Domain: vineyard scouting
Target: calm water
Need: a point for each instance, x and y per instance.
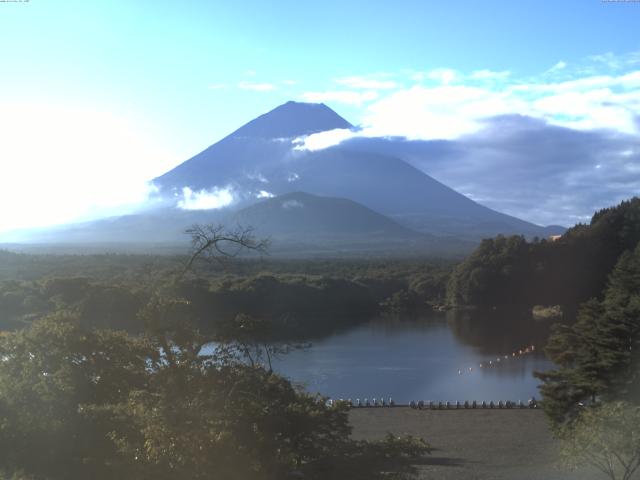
(421, 359)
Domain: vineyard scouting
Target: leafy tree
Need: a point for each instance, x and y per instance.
(607, 438)
(78, 403)
(50, 375)
(492, 274)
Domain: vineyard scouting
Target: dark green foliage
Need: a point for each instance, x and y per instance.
(491, 275)
(567, 271)
(78, 403)
(49, 375)
(96, 304)
(331, 295)
(598, 356)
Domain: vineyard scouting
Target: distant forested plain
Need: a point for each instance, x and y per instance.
(315, 296)
(319, 296)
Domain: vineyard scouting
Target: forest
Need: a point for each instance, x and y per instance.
(314, 297)
(566, 271)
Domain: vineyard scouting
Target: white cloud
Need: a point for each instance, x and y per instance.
(216, 86)
(206, 199)
(256, 87)
(264, 194)
(489, 75)
(366, 83)
(459, 104)
(558, 66)
(321, 140)
(343, 96)
(441, 112)
(444, 76)
(257, 177)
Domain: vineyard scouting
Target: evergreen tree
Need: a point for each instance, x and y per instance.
(568, 271)
(597, 357)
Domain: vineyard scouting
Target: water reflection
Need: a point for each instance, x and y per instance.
(497, 331)
(422, 358)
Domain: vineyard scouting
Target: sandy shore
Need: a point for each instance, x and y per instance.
(474, 444)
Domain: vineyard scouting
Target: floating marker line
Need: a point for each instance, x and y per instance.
(500, 359)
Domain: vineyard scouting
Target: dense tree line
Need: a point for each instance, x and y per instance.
(78, 403)
(567, 271)
(294, 303)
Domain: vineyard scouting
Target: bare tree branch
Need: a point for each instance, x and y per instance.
(219, 244)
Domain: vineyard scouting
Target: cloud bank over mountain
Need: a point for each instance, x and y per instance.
(526, 167)
(599, 92)
(550, 148)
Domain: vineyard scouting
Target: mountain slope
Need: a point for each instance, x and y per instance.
(256, 158)
(242, 157)
(394, 188)
(293, 119)
(300, 213)
(299, 223)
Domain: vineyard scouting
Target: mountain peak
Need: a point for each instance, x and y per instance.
(293, 119)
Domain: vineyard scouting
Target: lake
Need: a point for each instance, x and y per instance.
(435, 358)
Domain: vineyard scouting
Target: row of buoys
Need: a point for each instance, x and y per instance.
(500, 359)
(374, 402)
(421, 405)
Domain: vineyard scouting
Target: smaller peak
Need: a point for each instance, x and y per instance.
(293, 119)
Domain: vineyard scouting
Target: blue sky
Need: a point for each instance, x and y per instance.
(91, 90)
